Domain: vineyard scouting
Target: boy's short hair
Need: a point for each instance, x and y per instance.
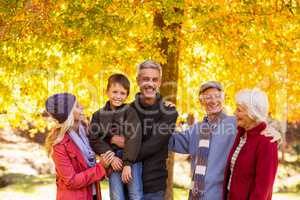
(120, 79)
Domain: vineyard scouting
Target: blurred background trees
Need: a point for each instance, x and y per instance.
(55, 46)
(51, 46)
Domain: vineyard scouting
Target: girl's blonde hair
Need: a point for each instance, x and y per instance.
(58, 132)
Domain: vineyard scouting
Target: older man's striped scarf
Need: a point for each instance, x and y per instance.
(197, 186)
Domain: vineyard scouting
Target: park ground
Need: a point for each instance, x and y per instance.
(26, 173)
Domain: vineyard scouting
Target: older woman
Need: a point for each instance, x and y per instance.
(253, 159)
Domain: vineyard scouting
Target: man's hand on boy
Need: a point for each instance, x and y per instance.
(117, 164)
(118, 140)
(126, 174)
(169, 104)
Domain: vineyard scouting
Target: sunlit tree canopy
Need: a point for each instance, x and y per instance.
(54, 46)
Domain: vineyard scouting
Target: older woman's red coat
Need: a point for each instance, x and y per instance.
(73, 176)
(255, 168)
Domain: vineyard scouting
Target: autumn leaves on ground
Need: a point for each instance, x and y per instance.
(55, 46)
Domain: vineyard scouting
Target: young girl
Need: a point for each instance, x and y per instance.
(77, 173)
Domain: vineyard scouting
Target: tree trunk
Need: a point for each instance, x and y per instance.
(170, 50)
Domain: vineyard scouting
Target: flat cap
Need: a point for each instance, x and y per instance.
(210, 84)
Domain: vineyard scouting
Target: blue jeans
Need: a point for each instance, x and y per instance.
(160, 195)
(135, 187)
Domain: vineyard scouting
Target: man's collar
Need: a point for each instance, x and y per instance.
(220, 116)
(107, 106)
(138, 97)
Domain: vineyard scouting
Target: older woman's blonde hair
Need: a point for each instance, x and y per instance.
(256, 102)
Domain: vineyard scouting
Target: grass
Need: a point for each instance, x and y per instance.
(26, 183)
(180, 194)
(27, 187)
(43, 187)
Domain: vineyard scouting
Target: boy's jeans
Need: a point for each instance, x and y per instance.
(155, 196)
(134, 188)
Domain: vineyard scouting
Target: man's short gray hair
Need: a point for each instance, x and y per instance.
(149, 64)
(256, 102)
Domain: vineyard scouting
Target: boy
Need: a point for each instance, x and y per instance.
(118, 118)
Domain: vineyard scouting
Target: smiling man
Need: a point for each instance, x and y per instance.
(209, 143)
(158, 122)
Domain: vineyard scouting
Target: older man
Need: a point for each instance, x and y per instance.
(208, 142)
